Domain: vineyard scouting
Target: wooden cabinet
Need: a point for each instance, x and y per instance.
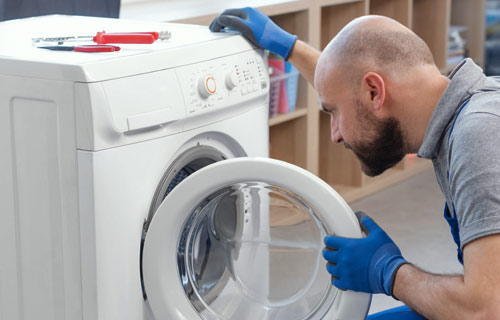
(302, 137)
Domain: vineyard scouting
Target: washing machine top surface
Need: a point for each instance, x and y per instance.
(187, 44)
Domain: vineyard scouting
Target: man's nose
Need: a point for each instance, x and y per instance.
(336, 136)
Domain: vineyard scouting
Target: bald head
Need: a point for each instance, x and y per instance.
(374, 43)
(378, 82)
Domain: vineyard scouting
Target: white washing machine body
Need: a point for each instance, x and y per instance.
(114, 199)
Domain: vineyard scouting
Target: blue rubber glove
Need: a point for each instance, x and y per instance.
(368, 264)
(256, 27)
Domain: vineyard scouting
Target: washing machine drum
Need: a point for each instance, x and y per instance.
(242, 239)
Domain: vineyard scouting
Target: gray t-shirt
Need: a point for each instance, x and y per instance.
(467, 162)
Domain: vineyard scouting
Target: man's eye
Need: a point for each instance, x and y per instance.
(325, 110)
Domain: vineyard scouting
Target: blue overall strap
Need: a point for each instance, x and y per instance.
(399, 313)
(454, 228)
(451, 217)
(456, 117)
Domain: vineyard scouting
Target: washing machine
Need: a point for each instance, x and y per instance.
(136, 185)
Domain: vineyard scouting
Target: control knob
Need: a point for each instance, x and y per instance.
(231, 80)
(207, 86)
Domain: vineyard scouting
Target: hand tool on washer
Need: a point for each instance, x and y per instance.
(84, 48)
(112, 37)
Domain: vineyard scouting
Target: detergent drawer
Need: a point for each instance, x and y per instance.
(128, 110)
(145, 100)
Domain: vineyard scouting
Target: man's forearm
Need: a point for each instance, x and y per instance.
(439, 296)
(304, 58)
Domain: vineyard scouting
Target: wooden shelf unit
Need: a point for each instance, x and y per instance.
(301, 112)
(303, 136)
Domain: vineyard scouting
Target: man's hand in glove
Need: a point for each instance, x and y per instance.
(369, 264)
(256, 27)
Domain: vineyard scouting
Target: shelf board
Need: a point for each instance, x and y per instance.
(351, 194)
(345, 191)
(301, 112)
(326, 3)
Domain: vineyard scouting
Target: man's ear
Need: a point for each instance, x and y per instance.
(373, 90)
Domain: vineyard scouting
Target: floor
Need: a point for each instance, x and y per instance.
(411, 213)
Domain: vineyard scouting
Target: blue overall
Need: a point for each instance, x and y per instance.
(452, 219)
(404, 312)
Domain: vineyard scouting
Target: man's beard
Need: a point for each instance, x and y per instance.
(386, 148)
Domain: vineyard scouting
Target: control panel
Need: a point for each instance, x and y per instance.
(223, 82)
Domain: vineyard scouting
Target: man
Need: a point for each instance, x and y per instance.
(386, 98)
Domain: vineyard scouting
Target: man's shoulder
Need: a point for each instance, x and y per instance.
(482, 109)
(486, 99)
(478, 125)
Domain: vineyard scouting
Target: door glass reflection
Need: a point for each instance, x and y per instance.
(253, 251)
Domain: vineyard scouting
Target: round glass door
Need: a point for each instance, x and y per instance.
(253, 251)
(242, 239)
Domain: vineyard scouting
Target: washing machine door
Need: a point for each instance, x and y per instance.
(242, 239)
